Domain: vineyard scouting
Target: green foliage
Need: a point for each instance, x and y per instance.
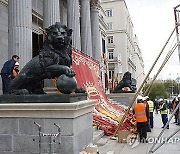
(163, 89)
(158, 89)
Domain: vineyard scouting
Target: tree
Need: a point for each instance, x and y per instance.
(157, 90)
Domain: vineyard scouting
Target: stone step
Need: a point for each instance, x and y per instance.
(95, 128)
(97, 135)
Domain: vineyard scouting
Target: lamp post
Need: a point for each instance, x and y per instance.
(171, 85)
(178, 83)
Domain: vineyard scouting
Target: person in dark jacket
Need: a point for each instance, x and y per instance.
(7, 73)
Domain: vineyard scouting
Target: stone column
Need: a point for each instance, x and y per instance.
(51, 12)
(73, 22)
(20, 29)
(96, 40)
(86, 40)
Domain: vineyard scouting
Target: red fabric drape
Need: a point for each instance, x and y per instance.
(106, 114)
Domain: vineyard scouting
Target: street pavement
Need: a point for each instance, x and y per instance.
(172, 146)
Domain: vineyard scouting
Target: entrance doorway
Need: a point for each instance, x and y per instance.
(37, 43)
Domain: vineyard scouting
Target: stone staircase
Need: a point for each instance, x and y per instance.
(97, 134)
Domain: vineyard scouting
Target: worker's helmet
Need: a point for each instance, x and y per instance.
(147, 97)
(160, 100)
(139, 97)
(16, 64)
(178, 96)
(143, 98)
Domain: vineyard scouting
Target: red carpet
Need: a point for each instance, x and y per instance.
(106, 114)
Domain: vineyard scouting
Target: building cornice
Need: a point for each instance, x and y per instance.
(95, 4)
(110, 1)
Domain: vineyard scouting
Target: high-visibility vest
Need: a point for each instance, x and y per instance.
(163, 111)
(15, 73)
(140, 112)
(151, 106)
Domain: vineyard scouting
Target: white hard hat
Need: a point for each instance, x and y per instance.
(139, 97)
(178, 96)
(143, 98)
(17, 64)
(147, 97)
(160, 100)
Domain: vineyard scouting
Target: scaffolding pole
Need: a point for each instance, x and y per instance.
(177, 24)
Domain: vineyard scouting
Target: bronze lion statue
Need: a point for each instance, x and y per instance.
(127, 84)
(53, 61)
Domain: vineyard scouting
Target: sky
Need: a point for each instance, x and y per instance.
(153, 22)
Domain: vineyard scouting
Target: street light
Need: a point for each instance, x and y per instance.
(171, 85)
(178, 83)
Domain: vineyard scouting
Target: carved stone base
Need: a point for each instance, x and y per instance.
(19, 133)
(46, 98)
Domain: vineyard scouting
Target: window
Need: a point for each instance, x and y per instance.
(111, 54)
(110, 39)
(109, 25)
(111, 74)
(109, 13)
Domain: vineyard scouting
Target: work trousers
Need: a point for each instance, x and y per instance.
(142, 130)
(151, 120)
(164, 119)
(5, 83)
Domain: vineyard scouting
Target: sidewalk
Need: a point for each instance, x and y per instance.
(108, 146)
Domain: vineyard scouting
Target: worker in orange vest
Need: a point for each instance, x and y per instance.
(142, 115)
(15, 70)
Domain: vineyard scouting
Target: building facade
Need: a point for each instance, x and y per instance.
(101, 28)
(23, 22)
(124, 53)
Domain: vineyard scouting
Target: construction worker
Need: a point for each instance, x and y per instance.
(147, 106)
(174, 104)
(178, 111)
(15, 70)
(6, 73)
(141, 114)
(156, 105)
(151, 110)
(164, 112)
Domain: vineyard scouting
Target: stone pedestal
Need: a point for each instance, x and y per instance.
(122, 98)
(20, 135)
